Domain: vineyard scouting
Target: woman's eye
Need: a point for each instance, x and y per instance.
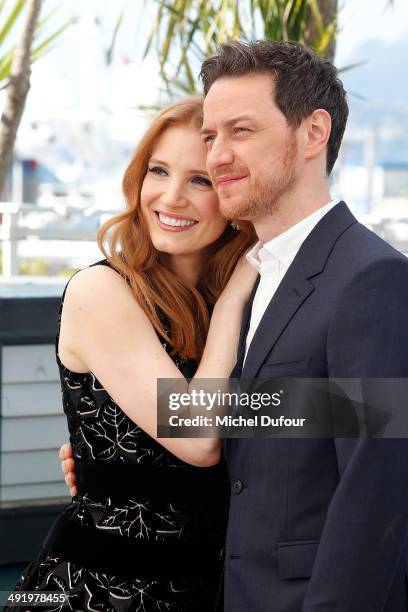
(158, 170)
(201, 180)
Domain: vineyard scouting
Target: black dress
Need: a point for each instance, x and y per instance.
(146, 531)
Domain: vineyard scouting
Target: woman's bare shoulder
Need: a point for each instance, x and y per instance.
(97, 278)
(99, 287)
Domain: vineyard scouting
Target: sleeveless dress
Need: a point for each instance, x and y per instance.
(146, 531)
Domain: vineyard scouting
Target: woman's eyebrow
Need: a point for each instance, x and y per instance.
(157, 161)
(205, 131)
(162, 163)
(203, 172)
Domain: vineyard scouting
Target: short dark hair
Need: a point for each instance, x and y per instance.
(303, 81)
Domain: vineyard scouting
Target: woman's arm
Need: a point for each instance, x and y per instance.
(116, 341)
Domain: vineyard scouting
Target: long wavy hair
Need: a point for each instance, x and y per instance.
(156, 287)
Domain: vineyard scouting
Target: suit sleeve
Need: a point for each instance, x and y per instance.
(367, 522)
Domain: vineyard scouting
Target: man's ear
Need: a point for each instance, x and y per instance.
(318, 129)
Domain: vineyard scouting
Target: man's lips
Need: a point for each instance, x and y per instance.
(224, 181)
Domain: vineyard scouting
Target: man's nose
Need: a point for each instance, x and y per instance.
(220, 154)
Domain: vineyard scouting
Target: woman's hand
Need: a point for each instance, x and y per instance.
(220, 353)
(240, 284)
(68, 468)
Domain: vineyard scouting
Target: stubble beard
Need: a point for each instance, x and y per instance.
(266, 193)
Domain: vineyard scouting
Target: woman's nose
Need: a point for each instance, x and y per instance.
(174, 197)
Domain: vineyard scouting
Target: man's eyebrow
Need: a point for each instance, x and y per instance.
(237, 119)
(228, 122)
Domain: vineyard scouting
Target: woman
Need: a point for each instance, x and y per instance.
(146, 530)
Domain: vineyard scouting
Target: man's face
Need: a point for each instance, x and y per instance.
(252, 156)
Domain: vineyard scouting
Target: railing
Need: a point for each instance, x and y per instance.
(12, 230)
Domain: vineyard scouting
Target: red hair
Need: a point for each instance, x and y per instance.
(148, 271)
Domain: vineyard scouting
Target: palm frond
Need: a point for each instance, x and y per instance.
(11, 20)
(187, 30)
(39, 48)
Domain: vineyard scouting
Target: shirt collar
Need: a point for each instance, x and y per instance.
(284, 247)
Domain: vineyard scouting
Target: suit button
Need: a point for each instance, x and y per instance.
(237, 486)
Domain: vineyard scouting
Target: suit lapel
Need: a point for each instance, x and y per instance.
(291, 293)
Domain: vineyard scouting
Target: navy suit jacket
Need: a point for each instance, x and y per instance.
(321, 525)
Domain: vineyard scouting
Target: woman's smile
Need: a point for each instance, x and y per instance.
(177, 197)
(170, 222)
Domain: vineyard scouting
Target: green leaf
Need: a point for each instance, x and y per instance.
(322, 44)
(11, 20)
(167, 41)
(5, 65)
(352, 66)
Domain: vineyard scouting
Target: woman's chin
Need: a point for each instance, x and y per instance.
(170, 247)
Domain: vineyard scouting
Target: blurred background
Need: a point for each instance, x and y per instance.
(79, 83)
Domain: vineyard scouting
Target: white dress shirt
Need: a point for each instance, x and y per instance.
(272, 261)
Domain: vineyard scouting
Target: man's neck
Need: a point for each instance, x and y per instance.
(288, 212)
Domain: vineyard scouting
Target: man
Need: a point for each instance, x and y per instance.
(316, 525)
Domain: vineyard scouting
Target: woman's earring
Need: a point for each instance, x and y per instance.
(235, 225)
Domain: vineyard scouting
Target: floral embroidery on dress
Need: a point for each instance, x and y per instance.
(98, 591)
(135, 519)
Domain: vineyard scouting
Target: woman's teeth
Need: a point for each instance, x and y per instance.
(175, 222)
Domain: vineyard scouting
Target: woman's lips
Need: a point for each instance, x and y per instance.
(173, 228)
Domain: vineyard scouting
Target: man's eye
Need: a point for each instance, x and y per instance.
(158, 170)
(209, 139)
(240, 129)
(201, 180)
